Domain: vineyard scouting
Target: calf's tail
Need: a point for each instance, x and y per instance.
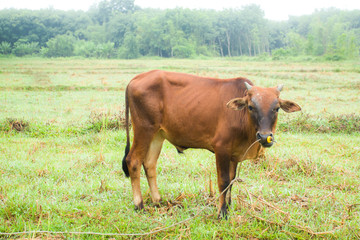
(127, 148)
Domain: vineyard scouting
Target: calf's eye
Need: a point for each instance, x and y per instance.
(250, 108)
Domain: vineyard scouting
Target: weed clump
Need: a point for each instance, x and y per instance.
(15, 124)
(106, 120)
(344, 123)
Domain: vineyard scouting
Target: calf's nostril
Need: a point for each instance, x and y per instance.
(258, 136)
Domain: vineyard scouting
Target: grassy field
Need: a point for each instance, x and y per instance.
(61, 147)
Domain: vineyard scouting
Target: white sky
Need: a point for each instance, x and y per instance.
(274, 9)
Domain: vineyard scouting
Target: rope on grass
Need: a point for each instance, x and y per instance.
(130, 234)
(237, 179)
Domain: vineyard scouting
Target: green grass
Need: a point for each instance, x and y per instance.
(61, 171)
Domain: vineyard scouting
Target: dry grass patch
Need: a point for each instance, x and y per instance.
(17, 124)
(106, 119)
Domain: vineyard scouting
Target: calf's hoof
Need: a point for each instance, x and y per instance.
(139, 207)
(223, 214)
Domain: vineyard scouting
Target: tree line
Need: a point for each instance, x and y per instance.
(119, 29)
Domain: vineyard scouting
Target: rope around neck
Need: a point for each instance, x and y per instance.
(243, 157)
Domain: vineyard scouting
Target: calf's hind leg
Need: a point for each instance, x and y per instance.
(134, 160)
(150, 166)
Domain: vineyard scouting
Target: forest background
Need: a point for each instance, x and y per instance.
(120, 29)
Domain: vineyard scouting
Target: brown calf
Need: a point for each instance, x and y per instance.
(197, 112)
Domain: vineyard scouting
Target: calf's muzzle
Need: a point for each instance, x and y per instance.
(265, 139)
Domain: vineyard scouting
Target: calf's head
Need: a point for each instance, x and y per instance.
(262, 106)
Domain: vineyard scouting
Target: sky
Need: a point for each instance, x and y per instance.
(273, 9)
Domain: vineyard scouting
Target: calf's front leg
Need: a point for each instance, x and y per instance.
(223, 177)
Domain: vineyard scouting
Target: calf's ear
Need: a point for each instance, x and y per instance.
(236, 103)
(289, 106)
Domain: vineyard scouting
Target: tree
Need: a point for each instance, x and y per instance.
(105, 50)
(22, 48)
(106, 9)
(117, 27)
(151, 32)
(84, 48)
(277, 34)
(5, 48)
(296, 43)
(183, 50)
(60, 46)
(122, 6)
(130, 49)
